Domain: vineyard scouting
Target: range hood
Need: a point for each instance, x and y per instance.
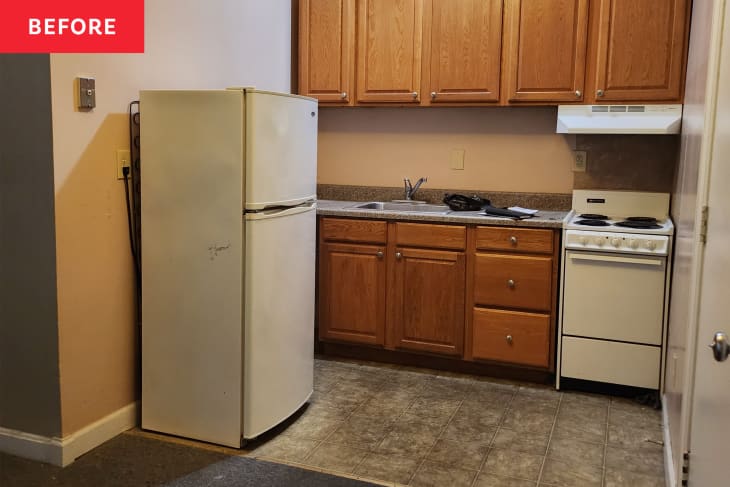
(619, 119)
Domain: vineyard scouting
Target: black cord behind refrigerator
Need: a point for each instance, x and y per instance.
(132, 196)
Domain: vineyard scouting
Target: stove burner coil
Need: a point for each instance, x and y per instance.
(593, 216)
(638, 224)
(593, 223)
(645, 219)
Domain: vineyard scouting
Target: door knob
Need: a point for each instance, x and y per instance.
(578, 93)
(509, 339)
(599, 92)
(379, 254)
(414, 94)
(720, 347)
(433, 94)
(511, 283)
(343, 95)
(398, 255)
(513, 240)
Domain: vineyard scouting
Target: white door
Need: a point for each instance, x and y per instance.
(281, 149)
(710, 417)
(278, 358)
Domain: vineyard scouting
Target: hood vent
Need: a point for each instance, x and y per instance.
(619, 119)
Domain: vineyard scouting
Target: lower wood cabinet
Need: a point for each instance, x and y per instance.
(475, 293)
(512, 336)
(426, 295)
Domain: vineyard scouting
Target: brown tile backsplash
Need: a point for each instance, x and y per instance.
(632, 162)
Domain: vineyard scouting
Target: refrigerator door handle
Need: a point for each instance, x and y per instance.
(279, 212)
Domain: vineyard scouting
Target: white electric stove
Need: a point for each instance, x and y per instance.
(615, 281)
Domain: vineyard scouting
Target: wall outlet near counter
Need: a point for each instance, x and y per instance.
(579, 161)
(456, 161)
(123, 160)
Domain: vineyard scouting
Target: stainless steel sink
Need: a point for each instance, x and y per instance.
(404, 207)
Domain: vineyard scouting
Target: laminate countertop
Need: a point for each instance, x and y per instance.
(542, 219)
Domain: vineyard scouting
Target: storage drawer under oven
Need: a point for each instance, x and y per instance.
(614, 297)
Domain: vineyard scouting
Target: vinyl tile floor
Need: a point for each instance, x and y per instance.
(403, 426)
(417, 427)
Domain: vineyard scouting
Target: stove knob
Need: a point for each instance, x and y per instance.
(634, 244)
(599, 241)
(615, 242)
(650, 245)
(583, 239)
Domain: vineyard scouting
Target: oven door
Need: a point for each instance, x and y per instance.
(614, 296)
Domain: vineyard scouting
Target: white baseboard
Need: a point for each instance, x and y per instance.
(670, 477)
(63, 451)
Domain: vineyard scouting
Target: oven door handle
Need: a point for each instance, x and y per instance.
(620, 260)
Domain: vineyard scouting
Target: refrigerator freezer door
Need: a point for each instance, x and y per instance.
(281, 149)
(279, 316)
(192, 253)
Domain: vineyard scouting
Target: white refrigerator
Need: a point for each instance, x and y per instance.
(228, 188)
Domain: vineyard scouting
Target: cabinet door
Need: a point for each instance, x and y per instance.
(462, 56)
(389, 50)
(327, 50)
(639, 50)
(545, 50)
(352, 293)
(427, 292)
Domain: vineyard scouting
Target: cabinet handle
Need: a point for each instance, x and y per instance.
(398, 255)
(508, 338)
(343, 95)
(414, 94)
(599, 92)
(511, 283)
(513, 240)
(379, 254)
(578, 93)
(433, 94)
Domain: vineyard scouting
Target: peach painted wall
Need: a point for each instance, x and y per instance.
(506, 149)
(189, 44)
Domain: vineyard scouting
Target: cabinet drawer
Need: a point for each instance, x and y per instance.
(515, 239)
(366, 231)
(433, 236)
(513, 281)
(511, 336)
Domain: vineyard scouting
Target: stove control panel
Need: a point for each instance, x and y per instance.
(630, 243)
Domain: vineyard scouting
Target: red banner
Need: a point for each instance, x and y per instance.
(54, 26)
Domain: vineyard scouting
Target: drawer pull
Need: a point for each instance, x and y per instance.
(513, 240)
(509, 339)
(511, 283)
(398, 255)
(379, 254)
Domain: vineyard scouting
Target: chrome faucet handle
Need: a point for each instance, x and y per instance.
(408, 188)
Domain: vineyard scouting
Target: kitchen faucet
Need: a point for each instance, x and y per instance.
(410, 190)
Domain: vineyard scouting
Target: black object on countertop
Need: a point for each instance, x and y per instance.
(460, 202)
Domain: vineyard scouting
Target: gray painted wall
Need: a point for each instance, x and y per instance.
(29, 374)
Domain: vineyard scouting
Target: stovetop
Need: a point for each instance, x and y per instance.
(628, 224)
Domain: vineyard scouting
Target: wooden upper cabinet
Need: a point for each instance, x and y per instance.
(638, 50)
(389, 44)
(545, 50)
(462, 52)
(326, 50)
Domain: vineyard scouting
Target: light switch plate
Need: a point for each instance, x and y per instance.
(579, 161)
(457, 159)
(87, 93)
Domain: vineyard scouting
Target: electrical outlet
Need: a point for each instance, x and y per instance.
(457, 159)
(123, 160)
(579, 161)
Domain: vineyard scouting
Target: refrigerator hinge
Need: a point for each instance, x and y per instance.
(685, 469)
(703, 224)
